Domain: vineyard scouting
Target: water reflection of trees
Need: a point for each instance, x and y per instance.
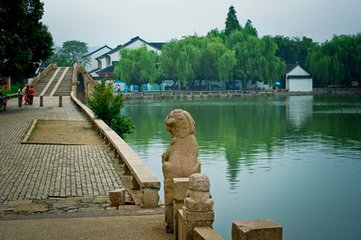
(240, 128)
(245, 127)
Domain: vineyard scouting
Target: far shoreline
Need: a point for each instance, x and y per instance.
(212, 94)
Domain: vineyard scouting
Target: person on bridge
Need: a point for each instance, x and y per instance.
(31, 95)
(26, 94)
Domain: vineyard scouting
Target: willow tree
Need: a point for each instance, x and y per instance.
(136, 66)
(272, 67)
(180, 60)
(337, 62)
(256, 59)
(217, 61)
(326, 68)
(187, 63)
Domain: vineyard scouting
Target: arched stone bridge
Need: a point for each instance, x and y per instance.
(60, 81)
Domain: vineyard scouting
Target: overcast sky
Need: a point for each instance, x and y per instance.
(115, 22)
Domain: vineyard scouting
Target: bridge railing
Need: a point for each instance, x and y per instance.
(142, 178)
(43, 73)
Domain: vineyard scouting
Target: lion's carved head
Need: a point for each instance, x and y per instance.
(180, 123)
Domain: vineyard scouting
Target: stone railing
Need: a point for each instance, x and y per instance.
(143, 178)
(43, 73)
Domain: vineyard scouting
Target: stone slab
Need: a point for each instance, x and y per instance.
(256, 230)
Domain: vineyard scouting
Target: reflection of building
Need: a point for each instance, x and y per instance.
(299, 109)
(298, 80)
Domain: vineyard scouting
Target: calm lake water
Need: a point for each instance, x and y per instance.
(296, 159)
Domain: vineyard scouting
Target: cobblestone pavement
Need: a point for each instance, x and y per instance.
(47, 172)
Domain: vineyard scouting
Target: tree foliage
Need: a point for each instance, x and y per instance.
(232, 23)
(293, 50)
(201, 58)
(337, 62)
(137, 66)
(256, 59)
(107, 106)
(249, 29)
(71, 52)
(24, 41)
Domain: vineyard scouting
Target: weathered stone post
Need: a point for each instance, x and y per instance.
(198, 207)
(60, 101)
(180, 188)
(181, 158)
(20, 99)
(117, 197)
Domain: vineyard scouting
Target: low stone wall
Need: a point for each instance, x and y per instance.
(195, 94)
(235, 93)
(143, 178)
(337, 91)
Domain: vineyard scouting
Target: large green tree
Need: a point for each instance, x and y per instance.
(232, 23)
(180, 59)
(71, 52)
(292, 50)
(271, 67)
(337, 62)
(256, 60)
(217, 61)
(197, 58)
(24, 40)
(137, 66)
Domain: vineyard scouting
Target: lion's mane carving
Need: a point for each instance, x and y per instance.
(181, 158)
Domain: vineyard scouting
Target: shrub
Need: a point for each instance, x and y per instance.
(107, 106)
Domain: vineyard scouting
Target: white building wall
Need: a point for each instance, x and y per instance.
(115, 56)
(93, 62)
(299, 85)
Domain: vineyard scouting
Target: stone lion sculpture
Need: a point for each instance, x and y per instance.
(181, 158)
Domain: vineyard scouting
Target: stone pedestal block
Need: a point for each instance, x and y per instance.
(180, 186)
(187, 221)
(205, 233)
(256, 230)
(117, 197)
(150, 198)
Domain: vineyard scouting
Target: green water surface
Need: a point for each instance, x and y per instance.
(295, 159)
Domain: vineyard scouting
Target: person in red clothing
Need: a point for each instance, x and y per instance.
(31, 95)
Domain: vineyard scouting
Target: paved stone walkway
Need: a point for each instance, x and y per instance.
(45, 172)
